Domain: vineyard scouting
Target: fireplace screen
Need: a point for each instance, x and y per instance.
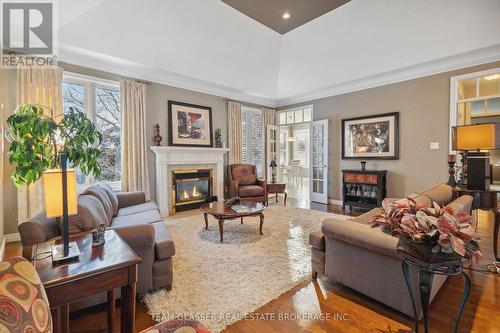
(191, 188)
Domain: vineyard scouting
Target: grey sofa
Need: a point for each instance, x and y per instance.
(364, 258)
(136, 220)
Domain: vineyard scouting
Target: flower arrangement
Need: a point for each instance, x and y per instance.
(449, 231)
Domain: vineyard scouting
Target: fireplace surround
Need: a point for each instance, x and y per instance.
(168, 159)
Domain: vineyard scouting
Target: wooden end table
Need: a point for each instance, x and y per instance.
(275, 188)
(99, 269)
(221, 213)
(484, 200)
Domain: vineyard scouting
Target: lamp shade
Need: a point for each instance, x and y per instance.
(476, 137)
(53, 193)
(272, 164)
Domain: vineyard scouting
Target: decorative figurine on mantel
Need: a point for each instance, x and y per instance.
(157, 136)
(218, 138)
(363, 165)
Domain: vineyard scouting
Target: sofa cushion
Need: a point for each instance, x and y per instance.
(420, 198)
(250, 191)
(317, 240)
(90, 215)
(247, 180)
(164, 244)
(150, 205)
(440, 193)
(99, 192)
(148, 216)
(111, 195)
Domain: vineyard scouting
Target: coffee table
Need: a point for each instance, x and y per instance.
(221, 213)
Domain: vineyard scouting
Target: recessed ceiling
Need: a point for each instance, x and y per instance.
(271, 13)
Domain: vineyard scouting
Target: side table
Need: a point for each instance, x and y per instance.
(99, 269)
(484, 200)
(275, 188)
(439, 263)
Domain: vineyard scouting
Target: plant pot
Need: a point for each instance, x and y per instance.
(422, 255)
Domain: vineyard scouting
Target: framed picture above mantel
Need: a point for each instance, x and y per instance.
(189, 125)
(371, 137)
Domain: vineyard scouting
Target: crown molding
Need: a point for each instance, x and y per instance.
(121, 67)
(117, 66)
(463, 60)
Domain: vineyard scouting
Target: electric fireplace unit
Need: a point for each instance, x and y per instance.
(191, 189)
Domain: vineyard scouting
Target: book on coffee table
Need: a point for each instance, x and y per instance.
(247, 208)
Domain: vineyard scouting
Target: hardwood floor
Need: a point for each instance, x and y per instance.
(342, 309)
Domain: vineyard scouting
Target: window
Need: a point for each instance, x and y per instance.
(251, 134)
(297, 115)
(100, 100)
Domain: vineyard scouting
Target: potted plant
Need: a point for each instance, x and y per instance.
(429, 234)
(37, 141)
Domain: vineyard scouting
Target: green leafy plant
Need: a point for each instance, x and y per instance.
(37, 142)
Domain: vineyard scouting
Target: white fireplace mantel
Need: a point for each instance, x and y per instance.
(167, 157)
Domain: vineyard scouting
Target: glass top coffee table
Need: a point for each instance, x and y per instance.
(221, 213)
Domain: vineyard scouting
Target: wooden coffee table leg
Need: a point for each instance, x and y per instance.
(221, 229)
(64, 313)
(261, 222)
(242, 220)
(206, 220)
(284, 201)
(128, 308)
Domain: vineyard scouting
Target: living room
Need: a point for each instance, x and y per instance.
(250, 166)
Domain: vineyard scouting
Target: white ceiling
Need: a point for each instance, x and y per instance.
(210, 47)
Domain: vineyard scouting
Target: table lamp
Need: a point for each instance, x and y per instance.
(273, 166)
(59, 188)
(477, 140)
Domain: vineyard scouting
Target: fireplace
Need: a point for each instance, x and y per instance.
(191, 189)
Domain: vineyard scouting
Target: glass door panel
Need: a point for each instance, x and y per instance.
(319, 161)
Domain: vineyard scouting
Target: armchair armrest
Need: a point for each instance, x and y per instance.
(38, 229)
(233, 188)
(126, 199)
(262, 183)
(361, 235)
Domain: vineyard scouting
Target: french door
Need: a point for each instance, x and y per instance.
(272, 150)
(318, 173)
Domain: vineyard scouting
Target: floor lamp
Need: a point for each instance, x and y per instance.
(59, 187)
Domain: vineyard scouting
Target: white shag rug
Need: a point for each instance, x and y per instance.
(219, 283)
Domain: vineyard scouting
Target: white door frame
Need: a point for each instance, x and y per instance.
(321, 197)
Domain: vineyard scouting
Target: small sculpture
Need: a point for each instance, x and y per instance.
(157, 136)
(218, 138)
(363, 165)
(233, 201)
(451, 170)
(98, 236)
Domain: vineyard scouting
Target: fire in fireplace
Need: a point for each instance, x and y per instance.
(190, 188)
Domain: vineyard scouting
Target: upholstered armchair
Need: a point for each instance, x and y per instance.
(243, 182)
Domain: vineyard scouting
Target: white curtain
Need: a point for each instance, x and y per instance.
(134, 153)
(268, 118)
(42, 86)
(234, 124)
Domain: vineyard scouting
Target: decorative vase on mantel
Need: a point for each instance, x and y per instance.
(157, 136)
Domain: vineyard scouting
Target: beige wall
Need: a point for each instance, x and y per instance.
(424, 117)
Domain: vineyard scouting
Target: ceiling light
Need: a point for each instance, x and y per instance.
(492, 77)
(286, 15)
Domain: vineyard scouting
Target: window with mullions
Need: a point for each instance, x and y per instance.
(100, 101)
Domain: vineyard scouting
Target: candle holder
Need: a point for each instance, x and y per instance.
(451, 171)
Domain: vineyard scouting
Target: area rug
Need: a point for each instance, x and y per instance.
(219, 283)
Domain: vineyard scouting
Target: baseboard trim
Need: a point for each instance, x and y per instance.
(335, 202)
(10, 238)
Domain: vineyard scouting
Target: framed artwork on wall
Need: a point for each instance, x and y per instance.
(189, 125)
(371, 137)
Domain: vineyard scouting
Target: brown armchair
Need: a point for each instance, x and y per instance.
(243, 182)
